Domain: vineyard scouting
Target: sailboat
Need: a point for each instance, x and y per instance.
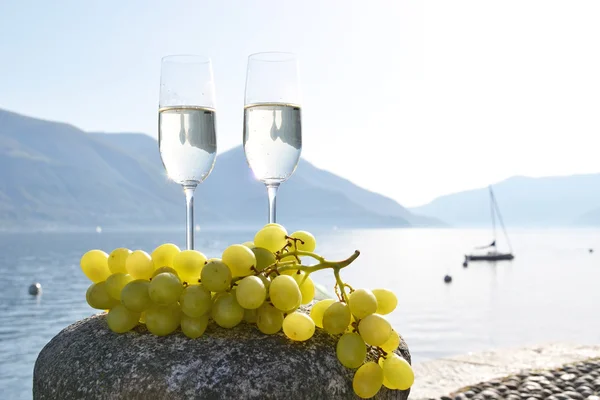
(493, 254)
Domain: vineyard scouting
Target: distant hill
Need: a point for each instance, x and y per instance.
(54, 174)
(523, 201)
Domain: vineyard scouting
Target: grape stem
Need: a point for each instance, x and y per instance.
(289, 244)
(323, 264)
(340, 284)
(280, 266)
(297, 253)
(381, 353)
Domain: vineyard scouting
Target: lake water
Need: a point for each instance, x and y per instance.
(551, 291)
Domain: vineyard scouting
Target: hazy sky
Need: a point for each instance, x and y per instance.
(411, 99)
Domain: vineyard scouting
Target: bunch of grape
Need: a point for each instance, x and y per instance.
(367, 340)
(263, 282)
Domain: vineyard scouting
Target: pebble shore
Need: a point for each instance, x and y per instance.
(439, 377)
(576, 381)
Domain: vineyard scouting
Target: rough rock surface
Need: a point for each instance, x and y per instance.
(88, 361)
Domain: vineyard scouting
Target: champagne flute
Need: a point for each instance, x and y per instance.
(272, 120)
(187, 126)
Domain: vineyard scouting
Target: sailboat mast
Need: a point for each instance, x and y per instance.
(495, 206)
(492, 211)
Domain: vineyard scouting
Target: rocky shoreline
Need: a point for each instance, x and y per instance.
(443, 376)
(576, 381)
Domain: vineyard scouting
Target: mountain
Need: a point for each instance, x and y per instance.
(524, 201)
(57, 175)
(590, 218)
(376, 202)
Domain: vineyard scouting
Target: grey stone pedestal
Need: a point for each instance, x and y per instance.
(88, 361)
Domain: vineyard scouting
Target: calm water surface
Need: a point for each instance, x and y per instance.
(551, 291)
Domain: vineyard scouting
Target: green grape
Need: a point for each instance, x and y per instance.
(121, 320)
(293, 310)
(271, 237)
(239, 259)
(308, 291)
(165, 269)
(189, 264)
(97, 297)
(374, 329)
(351, 350)
(392, 343)
(285, 293)
(226, 311)
(386, 301)
(336, 318)
(362, 302)
(135, 295)
(367, 380)
(215, 296)
(116, 260)
(194, 327)
(298, 327)
(94, 265)
(269, 319)
(398, 372)
(267, 282)
(163, 320)
(195, 301)
(290, 272)
(165, 289)
(307, 288)
(216, 276)
(310, 243)
(163, 255)
(248, 244)
(251, 292)
(264, 258)
(250, 316)
(139, 265)
(386, 382)
(318, 309)
(115, 283)
(274, 224)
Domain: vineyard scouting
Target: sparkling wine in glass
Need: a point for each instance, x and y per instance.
(187, 137)
(272, 120)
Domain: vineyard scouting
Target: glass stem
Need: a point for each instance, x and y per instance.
(189, 211)
(272, 193)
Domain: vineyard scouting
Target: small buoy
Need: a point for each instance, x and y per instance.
(98, 229)
(591, 250)
(465, 264)
(35, 289)
(447, 279)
